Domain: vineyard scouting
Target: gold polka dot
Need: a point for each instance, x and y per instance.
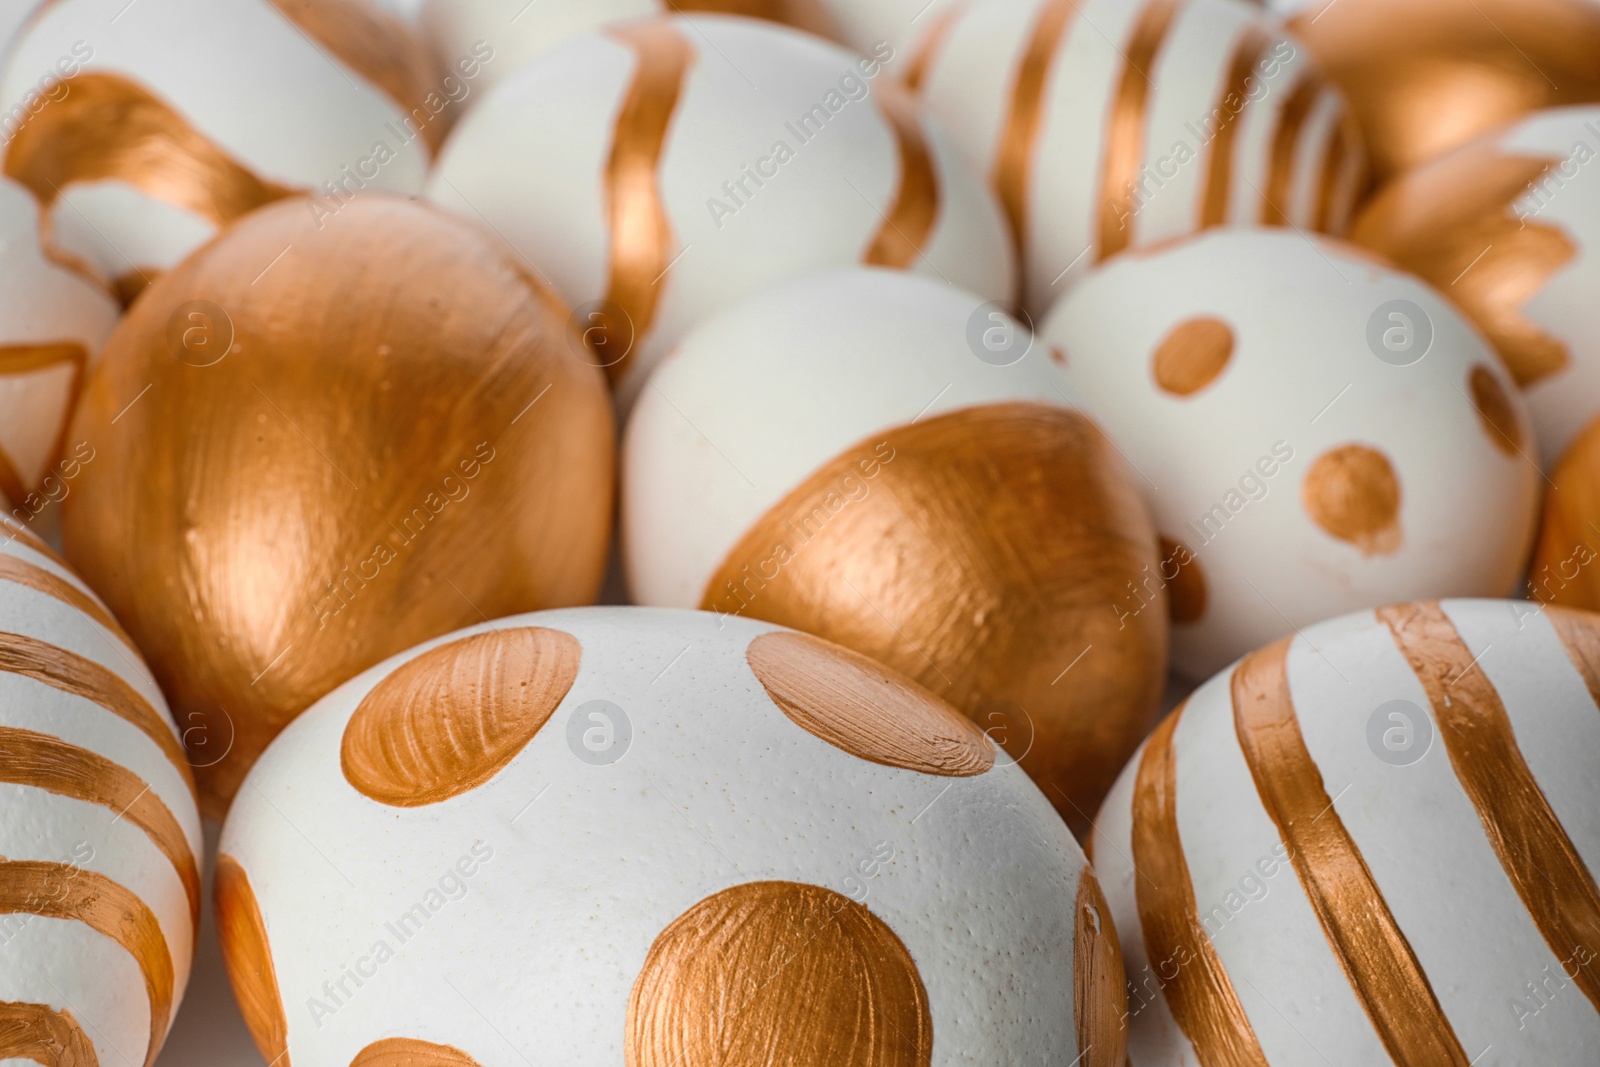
(248, 959)
(1058, 355)
(408, 1052)
(1192, 355)
(1493, 405)
(1186, 582)
(861, 707)
(446, 722)
(1352, 493)
(778, 973)
(1099, 984)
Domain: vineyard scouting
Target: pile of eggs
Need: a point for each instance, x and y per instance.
(815, 532)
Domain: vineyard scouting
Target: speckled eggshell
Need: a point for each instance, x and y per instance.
(612, 162)
(1294, 475)
(99, 835)
(1112, 124)
(166, 121)
(1374, 842)
(599, 836)
(52, 324)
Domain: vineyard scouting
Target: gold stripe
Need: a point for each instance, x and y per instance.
(1200, 995)
(1013, 162)
(1275, 202)
(1124, 145)
(242, 935)
(51, 764)
(1332, 170)
(930, 46)
(71, 673)
(1579, 632)
(409, 1052)
(641, 231)
(1099, 983)
(31, 540)
(1537, 855)
(20, 572)
(60, 891)
(1219, 173)
(48, 1037)
(1378, 960)
(909, 223)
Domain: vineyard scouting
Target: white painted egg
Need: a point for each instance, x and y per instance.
(1315, 433)
(1374, 842)
(1105, 125)
(659, 170)
(52, 324)
(1509, 228)
(603, 836)
(99, 835)
(894, 465)
(167, 119)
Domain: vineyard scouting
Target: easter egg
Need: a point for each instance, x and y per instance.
(321, 444)
(1425, 76)
(1372, 842)
(712, 841)
(893, 465)
(99, 835)
(1315, 433)
(151, 126)
(1563, 571)
(1503, 227)
(653, 180)
(1105, 125)
(52, 324)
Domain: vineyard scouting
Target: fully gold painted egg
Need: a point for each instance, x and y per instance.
(323, 441)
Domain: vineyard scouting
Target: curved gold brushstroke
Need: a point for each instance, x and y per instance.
(1276, 199)
(1500, 420)
(1571, 510)
(20, 572)
(61, 891)
(27, 359)
(929, 47)
(976, 553)
(1453, 222)
(1579, 633)
(247, 957)
(909, 221)
(1383, 970)
(1538, 857)
(1019, 133)
(1333, 164)
(409, 1052)
(12, 530)
(1214, 201)
(778, 972)
(1353, 493)
(449, 720)
(1099, 983)
(1200, 995)
(71, 673)
(1192, 355)
(1125, 125)
(857, 706)
(49, 763)
(641, 229)
(1186, 587)
(48, 1037)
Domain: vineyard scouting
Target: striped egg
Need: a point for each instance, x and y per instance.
(894, 465)
(163, 122)
(1374, 842)
(1314, 431)
(1504, 227)
(52, 324)
(99, 834)
(659, 170)
(1105, 125)
(661, 838)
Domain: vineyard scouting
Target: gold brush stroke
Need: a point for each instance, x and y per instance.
(1192, 355)
(449, 720)
(1579, 633)
(909, 223)
(1353, 494)
(61, 891)
(1452, 222)
(20, 572)
(20, 533)
(1499, 419)
(930, 46)
(48, 1037)
(1383, 970)
(247, 958)
(978, 564)
(1333, 161)
(49, 763)
(1186, 589)
(1099, 983)
(641, 229)
(1200, 995)
(1571, 510)
(409, 1052)
(80, 677)
(1214, 202)
(778, 972)
(1276, 200)
(1124, 146)
(855, 705)
(1538, 857)
(1019, 136)
(29, 358)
